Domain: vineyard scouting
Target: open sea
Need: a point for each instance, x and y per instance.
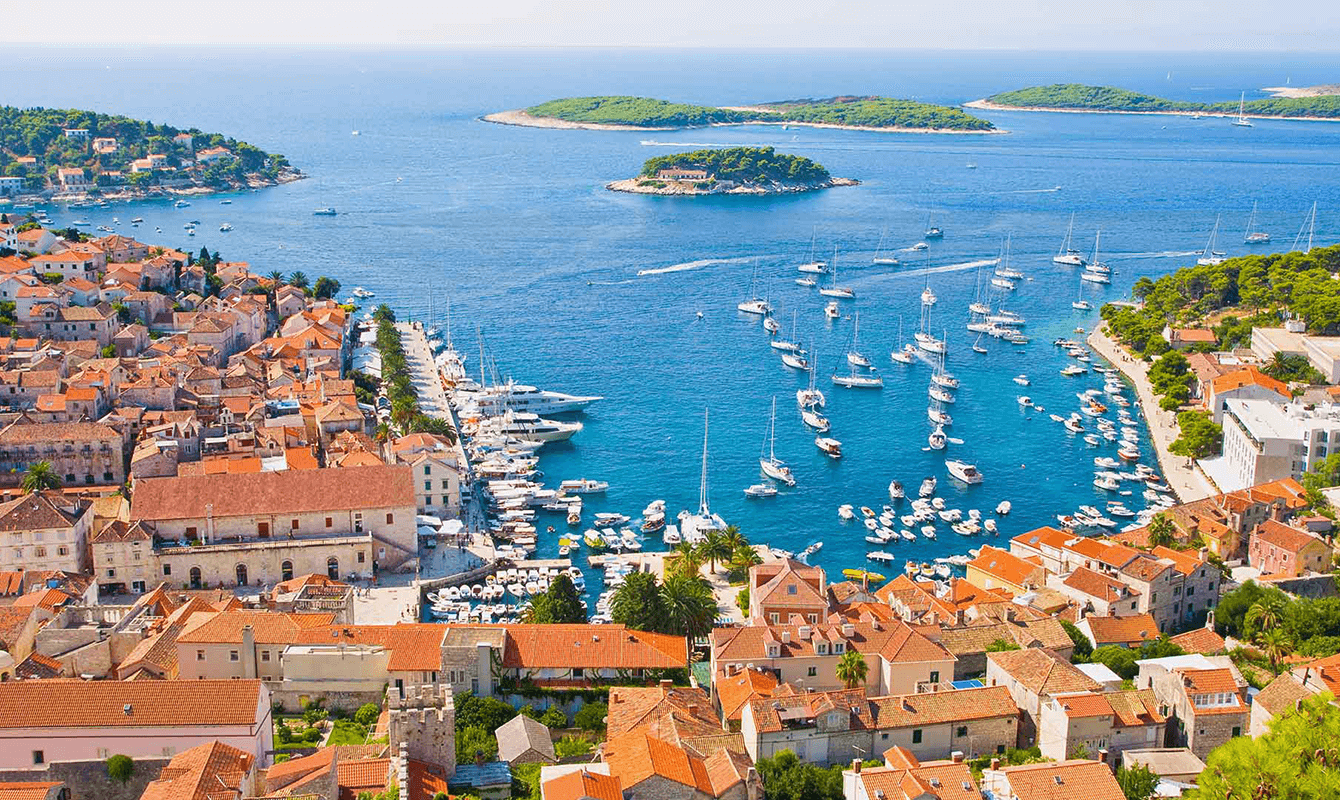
(515, 227)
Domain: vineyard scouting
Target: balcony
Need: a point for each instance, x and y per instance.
(176, 548)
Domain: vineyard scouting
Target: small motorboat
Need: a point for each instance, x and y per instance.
(896, 491)
(760, 490)
(830, 447)
(1003, 508)
(1022, 380)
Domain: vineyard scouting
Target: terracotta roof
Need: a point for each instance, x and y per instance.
(1194, 335)
(45, 598)
(289, 491)
(771, 713)
(1130, 708)
(31, 433)
(635, 757)
(1200, 640)
(897, 642)
(1281, 694)
(591, 646)
(1247, 376)
(1040, 672)
(1064, 780)
(1209, 681)
(1284, 537)
(1145, 569)
(581, 783)
(101, 704)
(12, 622)
(267, 627)
(1184, 561)
(27, 790)
(633, 707)
(1096, 584)
(35, 511)
(415, 647)
(38, 666)
(787, 583)
(1004, 565)
(933, 708)
(1133, 630)
(362, 774)
(905, 779)
(735, 691)
(285, 773)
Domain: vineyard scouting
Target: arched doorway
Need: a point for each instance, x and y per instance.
(241, 574)
(195, 577)
(286, 571)
(333, 568)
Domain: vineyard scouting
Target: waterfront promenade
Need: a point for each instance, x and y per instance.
(1181, 474)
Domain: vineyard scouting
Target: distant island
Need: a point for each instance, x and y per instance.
(73, 154)
(645, 113)
(733, 170)
(1077, 97)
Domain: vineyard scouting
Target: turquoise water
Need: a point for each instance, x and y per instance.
(514, 226)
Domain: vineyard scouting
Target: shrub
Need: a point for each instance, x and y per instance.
(569, 746)
(311, 735)
(528, 710)
(120, 767)
(367, 714)
(591, 717)
(555, 718)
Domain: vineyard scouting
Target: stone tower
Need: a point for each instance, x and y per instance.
(423, 726)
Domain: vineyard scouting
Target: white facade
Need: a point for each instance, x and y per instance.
(1266, 442)
(10, 185)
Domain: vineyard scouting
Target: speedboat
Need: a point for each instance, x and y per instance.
(963, 471)
(583, 486)
(761, 490)
(225, 227)
(808, 283)
(1003, 508)
(832, 311)
(920, 246)
(845, 512)
(1024, 400)
(927, 487)
(896, 491)
(324, 212)
(1022, 380)
(831, 447)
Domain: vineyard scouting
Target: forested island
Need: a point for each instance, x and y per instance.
(1082, 97)
(645, 113)
(733, 170)
(72, 152)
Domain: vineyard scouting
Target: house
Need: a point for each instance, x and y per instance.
(44, 531)
(734, 688)
(68, 263)
(1265, 441)
(1205, 695)
(522, 740)
(679, 174)
(1285, 692)
(122, 249)
(269, 526)
(899, 658)
(122, 557)
(580, 654)
(1096, 593)
(581, 783)
(1060, 780)
(34, 790)
(1278, 549)
(904, 777)
(62, 720)
(71, 178)
(211, 154)
(11, 185)
(1099, 725)
(937, 724)
(653, 768)
(821, 727)
(1248, 383)
(80, 452)
(437, 474)
(1131, 631)
(97, 323)
(1033, 676)
(212, 771)
(1182, 338)
(1061, 552)
(104, 145)
(1173, 764)
(998, 569)
(781, 590)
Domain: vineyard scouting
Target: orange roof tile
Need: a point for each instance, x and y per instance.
(1097, 585)
(1004, 565)
(933, 708)
(592, 646)
(1133, 630)
(1064, 780)
(734, 691)
(27, 790)
(581, 783)
(1284, 537)
(1247, 376)
(1200, 640)
(101, 704)
(1041, 672)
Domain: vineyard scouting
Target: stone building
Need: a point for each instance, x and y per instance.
(423, 729)
(1205, 697)
(80, 452)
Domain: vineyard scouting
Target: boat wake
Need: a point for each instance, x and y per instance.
(985, 262)
(1032, 191)
(689, 266)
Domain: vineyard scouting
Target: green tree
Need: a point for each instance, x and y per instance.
(40, 476)
(474, 741)
(298, 280)
(1083, 647)
(689, 606)
(1162, 531)
(367, 714)
(1276, 644)
(1120, 660)
(1198, 436)
(591, 717)
(714, 548)
(554, 718)
(528, 710)
(637, 603)
(1263, 617)
(1295, 759)
(786, 777)
(1138, 782)
(488, 713)
(120, 768)
(851, 669)
(326, 288)
(1001, 646)
(560, 604)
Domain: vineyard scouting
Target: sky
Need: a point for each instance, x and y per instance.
(1066, 25)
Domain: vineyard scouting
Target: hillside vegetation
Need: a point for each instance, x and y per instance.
(39, 132)
(1109, 98)
(743, 165)
(873, 112)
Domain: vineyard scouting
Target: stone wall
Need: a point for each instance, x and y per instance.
(88, 780)
(347, 701)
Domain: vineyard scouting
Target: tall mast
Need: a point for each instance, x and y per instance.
(702, 485)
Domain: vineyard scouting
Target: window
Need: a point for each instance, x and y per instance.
(265, 655)
(62, 551)
(232, 655)
(333, 568)
(883, 736)
(390, 519)
(791, 588)
(330, 523)
(361, 556)
(241, 574)
(111, 573)
(428, 486)
(39, 757)
(41, 552)
(813, 671)
(427, 469)
(961, 730)
(1237, 731)
(773, 618)
(262, 529)
(293, 525)
(935, 676)
(200, 655)
(1177, 591)
(916, 736)
(195, 578)
(1000, 749)
(286, 571)
(1153, 597)
(445, 484)
(578, 672)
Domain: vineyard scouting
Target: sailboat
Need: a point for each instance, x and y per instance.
(1253, 236)
(1242, 121)
(903, 355)
(772, 466)
(933, 231)
(814, 265)
(1004, 270)
(922, 337)
(891, 261)
(1096, 271)
(1079, 303)
(810, 397)
(788, 346)
(844, 292)
(1209, 256)
(854, 356)
(1309, 224)
(938, 438)
(755, 304)
(1068, 255)
(694, 527)
(977, 345)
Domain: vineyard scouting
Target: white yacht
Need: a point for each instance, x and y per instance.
(844, 292)
(810, 397)
(963, 471)
(1096, 271)
(813, 266)
(814, 420)
(694, 527)
(896, 491)
(770, 325)
(854, 356)
(772, 466)
(583, 486)
(760, 490)
(831, 310)
(927, 487)
(1242, 121)
(938, 438)
(795, 360)
(499, 398)
(808, 283)
(880, 258)
(1003, 283)
(928, 297)
(830, 447)
(1209, 257)
(1022, 380)
(905, 351)
(1253, 236)
(938, 416)
(1067, 255)
(754, 306)
(791, 345)
(929, 343)
(940, 394)
(853, 380)
(531, 427)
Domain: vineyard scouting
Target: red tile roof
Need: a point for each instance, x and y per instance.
(1284, 537)
(1247, 376)
(1065, 780)
(590, 647)
(27, 790)
(1130, 631)
(66, 703)
(289, 491)
(581, 783)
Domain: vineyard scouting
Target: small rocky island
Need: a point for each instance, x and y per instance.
(734, 170)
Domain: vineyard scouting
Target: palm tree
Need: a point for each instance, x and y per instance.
(1276, 644)
(852, 669)
(734, 538)
(298, 279)
(690, 606)
(1162, 531)
(39, 477)
(1264, 616)
(687, 561)
(276, 278)
(714, 549)
(383, 433)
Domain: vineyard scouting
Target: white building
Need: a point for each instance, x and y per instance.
(10, 185)
(1266, 442)
(1323, 352)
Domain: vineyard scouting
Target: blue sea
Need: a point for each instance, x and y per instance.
(514, 227)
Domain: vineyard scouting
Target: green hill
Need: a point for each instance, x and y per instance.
(743, 165)
(1078, 96)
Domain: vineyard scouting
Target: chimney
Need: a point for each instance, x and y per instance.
(956, 756)
(995, 763)
(248, 652)
(856, 765)
(786, 637)
(803, 633)
(666, 684)
(907, 704)
(848, 629)
(1102, 755)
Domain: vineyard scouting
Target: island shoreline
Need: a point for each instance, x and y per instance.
(687, 189)
(519, 118)
(987, 105)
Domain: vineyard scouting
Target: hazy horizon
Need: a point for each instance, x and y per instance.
(1040, 25)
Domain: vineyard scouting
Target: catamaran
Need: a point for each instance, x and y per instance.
(695, 526)
(1253, 236)
(834, 290)
(787, 346)
(891, 261)
(1068, 255)
(1209, 257)
(814, 265)
(1242, 121)
(772, 466)
(854, 356)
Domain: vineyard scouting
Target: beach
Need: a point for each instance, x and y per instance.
(1186, 480)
